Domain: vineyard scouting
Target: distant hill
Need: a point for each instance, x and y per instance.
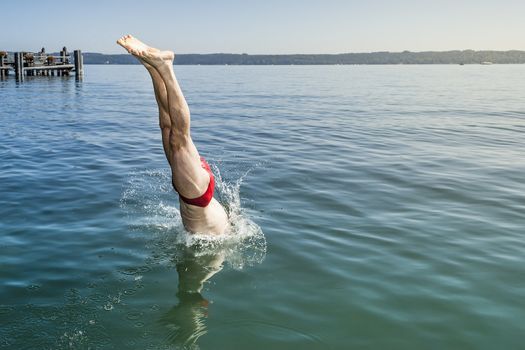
(405, 57)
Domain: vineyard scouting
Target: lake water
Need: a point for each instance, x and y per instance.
(376, 207)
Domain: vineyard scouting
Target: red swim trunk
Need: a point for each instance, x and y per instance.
(207, 196)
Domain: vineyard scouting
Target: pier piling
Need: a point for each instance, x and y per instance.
(3, 72)
(79, 64)
(19, 66)
(63, 55)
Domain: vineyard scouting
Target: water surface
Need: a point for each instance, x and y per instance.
(375, 207)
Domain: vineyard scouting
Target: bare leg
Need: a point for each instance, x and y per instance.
(189, 177)
(162, 102)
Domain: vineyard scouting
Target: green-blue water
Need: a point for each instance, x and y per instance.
(376, 207)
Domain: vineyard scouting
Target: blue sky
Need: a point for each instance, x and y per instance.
(270, 26)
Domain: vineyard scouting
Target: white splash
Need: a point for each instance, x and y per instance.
(151, 205)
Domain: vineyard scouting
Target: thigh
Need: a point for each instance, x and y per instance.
(189, 178)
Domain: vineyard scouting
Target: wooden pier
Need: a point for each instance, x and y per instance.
(25, 64)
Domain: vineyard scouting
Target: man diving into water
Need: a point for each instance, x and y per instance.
(191, 174)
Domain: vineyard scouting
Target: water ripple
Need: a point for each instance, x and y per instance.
(391, 200)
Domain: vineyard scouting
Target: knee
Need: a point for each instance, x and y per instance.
(165, 127)
(178, 140)
(164, 121)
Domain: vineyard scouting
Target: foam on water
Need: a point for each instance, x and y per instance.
(151, 207)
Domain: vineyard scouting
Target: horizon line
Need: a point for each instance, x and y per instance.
(312, 54)
(293, 54)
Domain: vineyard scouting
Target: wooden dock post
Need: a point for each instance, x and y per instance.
(79, 64)
(19, 66)
(63, 59)
(2, 71)
(64, 56)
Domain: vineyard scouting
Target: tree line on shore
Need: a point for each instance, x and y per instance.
(405, 57)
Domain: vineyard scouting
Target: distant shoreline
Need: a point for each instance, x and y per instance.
(372, 58)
